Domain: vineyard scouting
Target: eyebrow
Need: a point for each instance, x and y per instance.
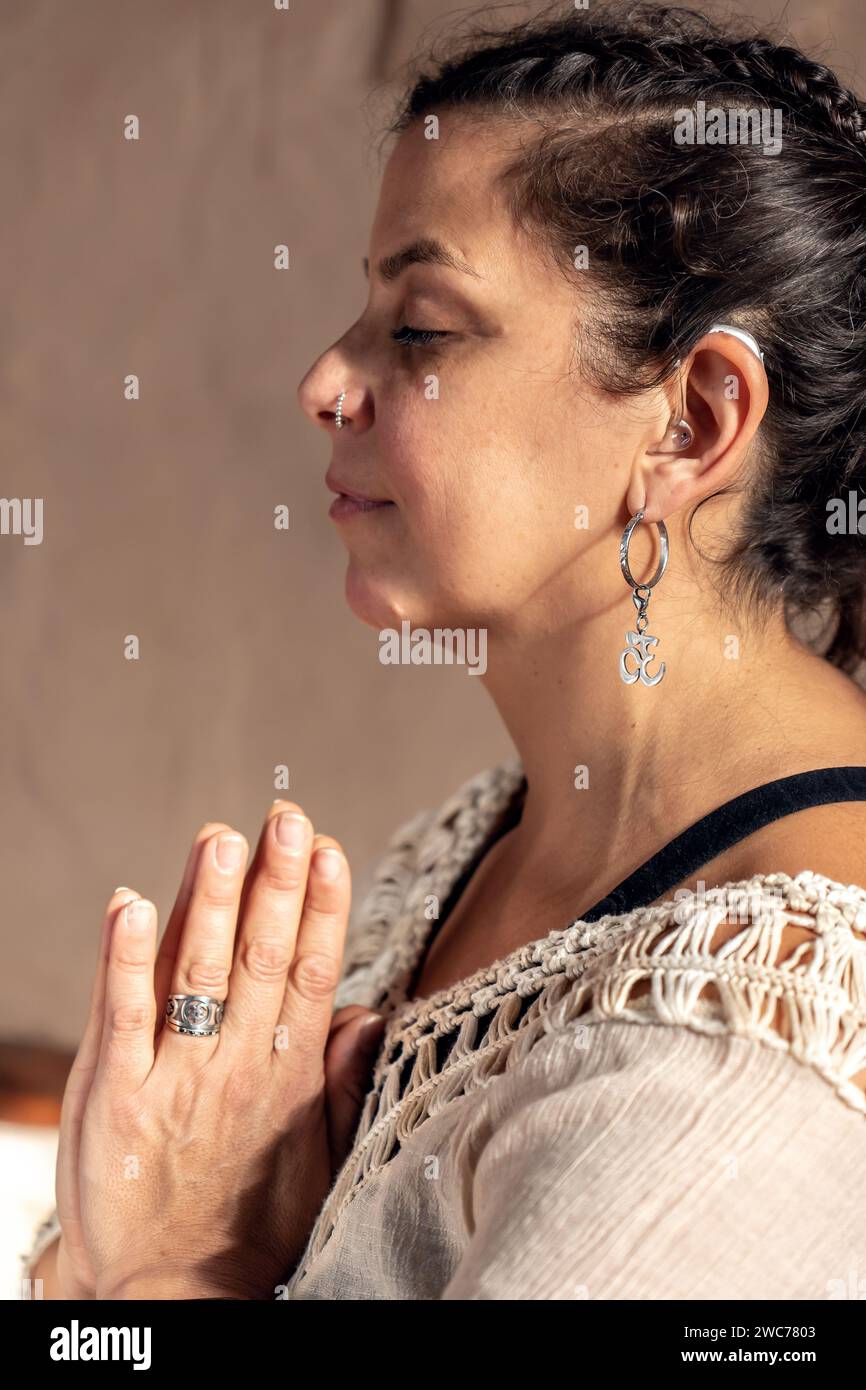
(425, 250)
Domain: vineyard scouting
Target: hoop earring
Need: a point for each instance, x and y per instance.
(639, 642)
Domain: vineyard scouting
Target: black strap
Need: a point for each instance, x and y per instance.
(726, 826)
(694, 847)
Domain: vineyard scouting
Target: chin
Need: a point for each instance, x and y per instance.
(383, 602)
(372, 599)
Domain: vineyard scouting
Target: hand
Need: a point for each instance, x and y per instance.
(190, 1166)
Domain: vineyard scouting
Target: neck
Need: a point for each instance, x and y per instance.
(619, 769)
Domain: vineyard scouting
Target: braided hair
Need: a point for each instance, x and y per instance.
(681, 236)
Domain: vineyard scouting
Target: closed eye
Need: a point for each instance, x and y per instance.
(417, 337)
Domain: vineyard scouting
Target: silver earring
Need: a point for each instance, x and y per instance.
(338, 413)
(639, 642)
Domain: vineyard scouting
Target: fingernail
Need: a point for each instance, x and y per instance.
(121, 888)
(229, 852)
(327, 862)
(138, 914)
(291, 831)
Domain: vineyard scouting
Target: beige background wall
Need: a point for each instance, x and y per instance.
(156, 258)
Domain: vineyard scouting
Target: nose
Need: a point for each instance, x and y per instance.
(331, 396)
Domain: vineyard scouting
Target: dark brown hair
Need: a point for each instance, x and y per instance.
(681, 236)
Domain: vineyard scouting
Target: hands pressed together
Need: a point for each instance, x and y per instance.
(193, 1167)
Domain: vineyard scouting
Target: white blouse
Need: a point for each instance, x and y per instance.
(613, 1111)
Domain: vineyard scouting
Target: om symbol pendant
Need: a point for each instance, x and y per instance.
(640, 643)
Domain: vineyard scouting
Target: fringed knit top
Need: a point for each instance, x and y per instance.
(615, 1110)
(547, 1128)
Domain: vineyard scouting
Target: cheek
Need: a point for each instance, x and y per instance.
(413, 448)
(485, 527)
(488, 495)
(439, 459)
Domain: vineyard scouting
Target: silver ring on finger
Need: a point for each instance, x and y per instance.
(196, 1015)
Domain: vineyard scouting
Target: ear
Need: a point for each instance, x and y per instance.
(726, 394)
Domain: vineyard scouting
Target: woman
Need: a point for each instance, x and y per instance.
(592, 327)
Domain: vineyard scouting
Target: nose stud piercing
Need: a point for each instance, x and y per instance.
(338, 414)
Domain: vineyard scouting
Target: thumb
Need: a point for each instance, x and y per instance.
(350, 1053)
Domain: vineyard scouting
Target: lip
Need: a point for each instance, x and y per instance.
(350, 502)
(344, 506)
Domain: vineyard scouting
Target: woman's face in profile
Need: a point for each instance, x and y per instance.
(484, 437)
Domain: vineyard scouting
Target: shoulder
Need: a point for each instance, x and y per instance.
(776, 958)
(822, 845)
(826, 842)
(829, 840)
